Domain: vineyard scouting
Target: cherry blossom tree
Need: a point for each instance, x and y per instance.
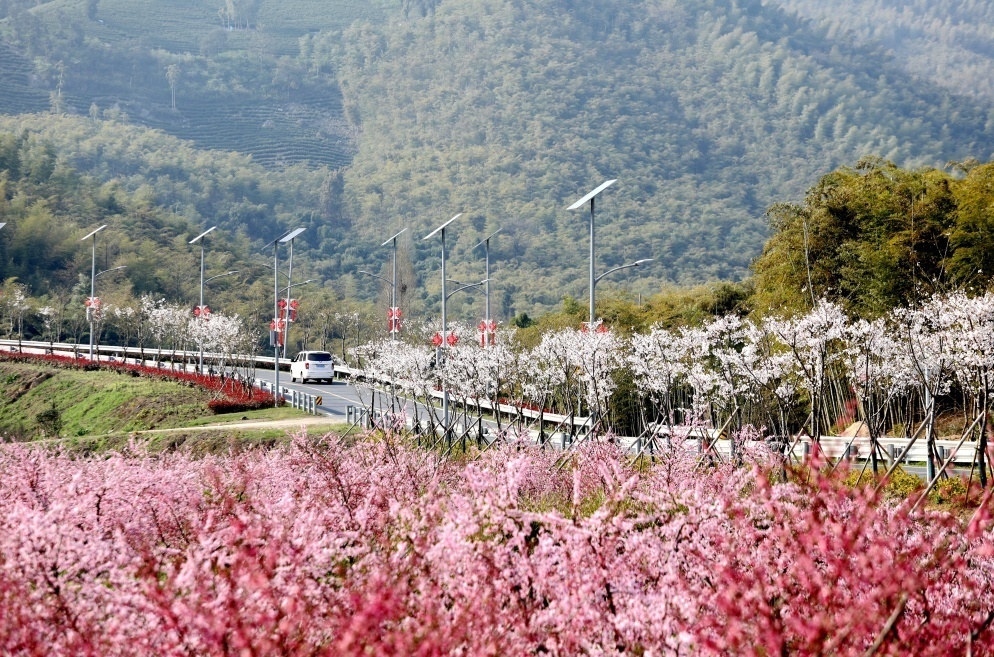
(926, 343)
(378, 547)
(879, 372)
(814, 340)
(969, 324)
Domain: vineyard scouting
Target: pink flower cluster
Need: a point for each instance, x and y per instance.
(382, 549)
(230, 396)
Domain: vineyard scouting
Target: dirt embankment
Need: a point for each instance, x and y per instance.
(23, 384)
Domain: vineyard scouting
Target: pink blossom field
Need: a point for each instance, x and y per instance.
(378, 548)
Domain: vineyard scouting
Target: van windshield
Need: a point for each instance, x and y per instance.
(321, 356)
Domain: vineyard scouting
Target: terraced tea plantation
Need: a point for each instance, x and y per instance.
(17, 95)
(236, 79)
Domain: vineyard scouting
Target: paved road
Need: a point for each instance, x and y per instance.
(336, 395)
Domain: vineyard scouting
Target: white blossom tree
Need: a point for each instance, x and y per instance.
(815, 342)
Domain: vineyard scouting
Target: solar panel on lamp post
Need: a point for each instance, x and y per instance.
(201, 238)
(441, 352)
(93, 279)
(579, 204)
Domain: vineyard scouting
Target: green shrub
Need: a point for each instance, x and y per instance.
(947, 490)
(902, 484)
(50, 420)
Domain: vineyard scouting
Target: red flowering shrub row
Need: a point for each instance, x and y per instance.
(230, 396)
(381, 549)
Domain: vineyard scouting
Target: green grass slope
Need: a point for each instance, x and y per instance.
(91, 402)
(95, 404)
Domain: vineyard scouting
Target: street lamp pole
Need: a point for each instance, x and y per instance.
(486, 248)
(227, 273)
(202, 239)
(275, 333)
(637, 263)
(445, 390)
(289, 279)
(93, 279)
(464, 286)
(579, 204)
(289, 287)
(393, 286)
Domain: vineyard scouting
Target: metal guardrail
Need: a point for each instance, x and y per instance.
(83, 350)
(304, 401)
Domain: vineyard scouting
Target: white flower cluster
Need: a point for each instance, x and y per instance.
(773, 366)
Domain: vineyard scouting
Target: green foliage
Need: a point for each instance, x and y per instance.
(949, 490)
(900, 484)
(50, 420)
(903, 484)
(370, 116)
(571, 315)
(522, 321)
(877, 236)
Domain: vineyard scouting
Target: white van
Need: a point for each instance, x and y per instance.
(317, 365)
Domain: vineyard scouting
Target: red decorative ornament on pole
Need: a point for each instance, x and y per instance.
(393, 320)
(294, 304)
(278, 326)
(452, 339)
(488, 331)
(598, 326)
(437, 340)
(92, 309)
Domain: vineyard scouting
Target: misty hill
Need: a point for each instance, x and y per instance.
(950, 43)
(707, 111)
